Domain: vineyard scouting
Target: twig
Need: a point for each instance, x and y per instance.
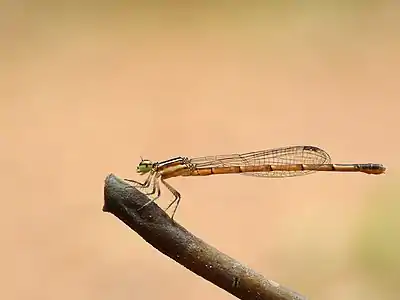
(157, 228)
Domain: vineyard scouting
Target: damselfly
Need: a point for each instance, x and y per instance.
(278, 162)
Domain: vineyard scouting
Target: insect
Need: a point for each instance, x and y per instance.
(278, 162)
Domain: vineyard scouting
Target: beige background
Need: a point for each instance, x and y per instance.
(86, 90)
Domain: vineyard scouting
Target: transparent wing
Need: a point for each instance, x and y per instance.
(276, 156)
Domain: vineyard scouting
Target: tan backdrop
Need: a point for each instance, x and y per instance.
(86, 90)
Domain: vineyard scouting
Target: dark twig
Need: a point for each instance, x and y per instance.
(157, 228)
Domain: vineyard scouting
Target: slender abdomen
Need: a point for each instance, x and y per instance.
(365, 168)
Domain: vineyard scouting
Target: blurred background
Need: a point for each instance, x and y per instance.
(89, 87)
